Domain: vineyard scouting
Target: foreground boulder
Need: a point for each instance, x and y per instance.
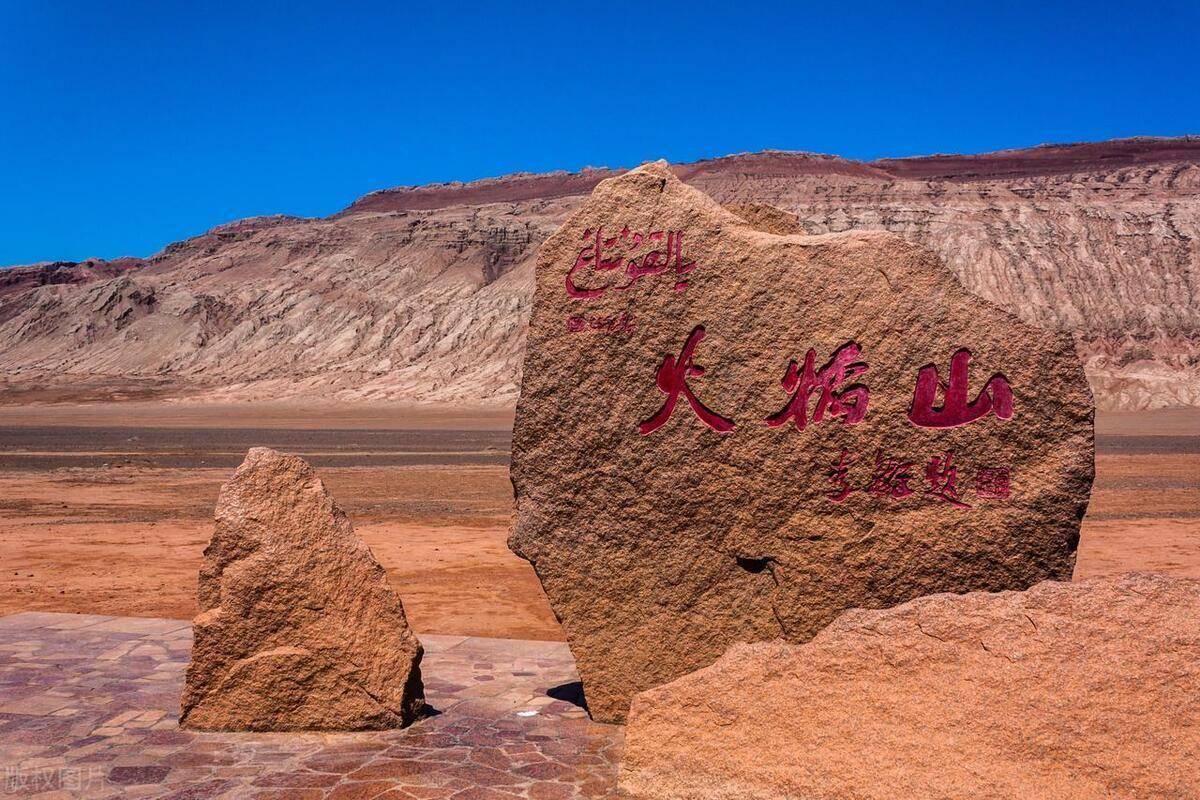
(730, 432)
(1064, 691)
(298, 628)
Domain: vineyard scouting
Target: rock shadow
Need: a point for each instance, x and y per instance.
(569, 693)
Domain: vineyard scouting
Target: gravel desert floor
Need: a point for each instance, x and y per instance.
(105, 508)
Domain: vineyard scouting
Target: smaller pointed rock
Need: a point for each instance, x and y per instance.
(298, 628)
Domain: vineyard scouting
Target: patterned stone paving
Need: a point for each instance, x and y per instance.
(89, 708)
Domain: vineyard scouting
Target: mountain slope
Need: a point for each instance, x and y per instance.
(421, 293)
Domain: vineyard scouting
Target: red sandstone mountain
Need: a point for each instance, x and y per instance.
(422, 293)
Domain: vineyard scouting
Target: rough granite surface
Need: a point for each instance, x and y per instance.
(662, 538)
(1084, 691)
(298, 628)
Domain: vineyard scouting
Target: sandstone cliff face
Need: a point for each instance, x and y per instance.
(17, 279)
(409, 305)
(423, 293)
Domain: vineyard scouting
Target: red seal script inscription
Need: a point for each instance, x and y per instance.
(993, 483)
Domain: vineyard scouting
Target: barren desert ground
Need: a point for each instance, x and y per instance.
(107, 507)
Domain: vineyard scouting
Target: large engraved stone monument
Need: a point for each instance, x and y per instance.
(727, 434)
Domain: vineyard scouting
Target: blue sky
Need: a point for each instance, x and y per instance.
(126, 126)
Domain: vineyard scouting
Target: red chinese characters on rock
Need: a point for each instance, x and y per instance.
(672, 380)
(996, 396)
(839, 477)
(849, 403)
(833, 395)
(626, 254)
(890, 477)
(942, 477)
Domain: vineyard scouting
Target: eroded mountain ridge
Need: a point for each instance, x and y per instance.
(423, 293)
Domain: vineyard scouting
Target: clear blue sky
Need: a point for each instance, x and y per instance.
(125, 126)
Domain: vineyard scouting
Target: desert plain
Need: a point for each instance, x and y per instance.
(106, 506)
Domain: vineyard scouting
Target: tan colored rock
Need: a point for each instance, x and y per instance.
(662, 536)
(298, 628)
(1076, 691)
(768, 219)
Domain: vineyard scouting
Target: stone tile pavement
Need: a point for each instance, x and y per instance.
(89, 708)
